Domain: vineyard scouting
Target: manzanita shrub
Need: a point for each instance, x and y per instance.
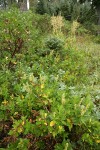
(45, 100)
(17, 34)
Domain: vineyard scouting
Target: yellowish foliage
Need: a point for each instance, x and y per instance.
(74, 27)
(52, 123)
(57, 23)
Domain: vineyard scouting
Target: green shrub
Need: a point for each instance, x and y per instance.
(67, 27)
(82, 30)
(64, 113)
(17, 34)
(97, 39)
(54, 43)
(42, 23)
(45, 102)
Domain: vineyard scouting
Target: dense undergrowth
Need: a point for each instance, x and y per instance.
(49, 84)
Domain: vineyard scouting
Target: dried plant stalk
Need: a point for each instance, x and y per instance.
(74, 27)
(57, 23)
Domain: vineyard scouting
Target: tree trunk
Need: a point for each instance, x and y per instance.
(28, 5)
(5, 4)
(24, 5)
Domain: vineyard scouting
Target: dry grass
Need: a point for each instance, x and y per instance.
(74, 27)
(57, 23)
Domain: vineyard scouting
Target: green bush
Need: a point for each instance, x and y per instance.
(82, 30)
(54, 43)
(17, 34)
(46, 106)
(45, 102)
(97, 39)
(42, 23)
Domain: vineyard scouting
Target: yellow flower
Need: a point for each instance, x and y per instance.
(60, 127)
(45, 124)
(22, 96)
(14, 63)
(39, 119)
(20, 130)
(5, 102)
(52, 123)
(42, 86)
(97, 141)
(16, 113)
(45, 115)
(23, 123)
